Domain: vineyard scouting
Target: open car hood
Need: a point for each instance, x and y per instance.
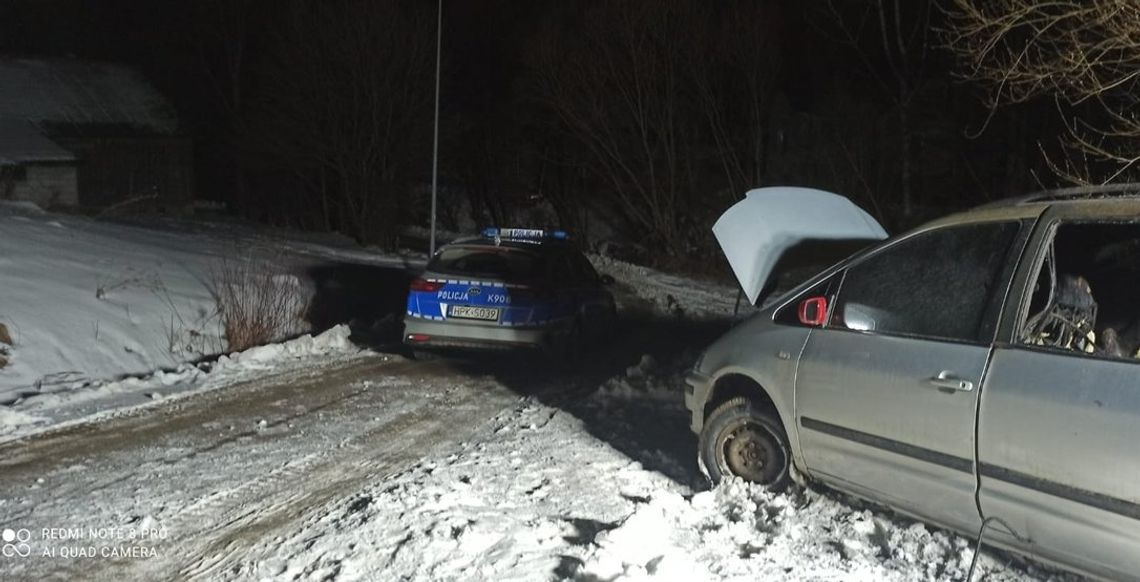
(757, 232)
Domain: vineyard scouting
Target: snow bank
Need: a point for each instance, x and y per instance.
(88, 301)
(12, 421)
(333, 340)
(739, 531)
(672, 294)
(102, 312)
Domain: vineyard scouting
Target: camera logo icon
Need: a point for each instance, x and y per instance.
(16, 543)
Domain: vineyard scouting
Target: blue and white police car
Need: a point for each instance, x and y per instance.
(508, 288)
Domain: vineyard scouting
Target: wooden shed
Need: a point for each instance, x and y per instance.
(91, 136)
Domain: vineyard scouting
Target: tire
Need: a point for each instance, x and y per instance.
(741, 440)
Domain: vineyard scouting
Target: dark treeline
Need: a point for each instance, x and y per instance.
(654, 115)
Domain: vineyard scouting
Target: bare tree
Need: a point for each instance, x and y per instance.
(618, 91)
(346, 106)
(220, 32)
(1082, 54)
(892, 39)
(741, 38)
(668, 99)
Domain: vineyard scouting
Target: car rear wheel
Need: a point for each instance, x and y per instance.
(741, 440)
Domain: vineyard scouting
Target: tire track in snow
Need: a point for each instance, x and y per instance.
(222, 493)
(45, 453)
(417, 434)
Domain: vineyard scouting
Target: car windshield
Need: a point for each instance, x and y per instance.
(488, 261)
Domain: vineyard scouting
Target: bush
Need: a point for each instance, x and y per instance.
(256, 305)
(5, 343)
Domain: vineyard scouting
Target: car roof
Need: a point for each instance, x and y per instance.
(989, 213)
(1111, 196)
(1079, 194)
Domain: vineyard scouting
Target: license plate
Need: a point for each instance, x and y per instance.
(468, 312)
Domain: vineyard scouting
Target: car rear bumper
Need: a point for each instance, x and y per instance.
(697, 386)
(421, 333)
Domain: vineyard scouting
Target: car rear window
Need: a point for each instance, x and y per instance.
(487, 261)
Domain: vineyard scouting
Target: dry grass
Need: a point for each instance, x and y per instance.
(257, 305)
(5, 344)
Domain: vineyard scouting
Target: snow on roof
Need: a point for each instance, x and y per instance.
(71, 92)
(20, 142)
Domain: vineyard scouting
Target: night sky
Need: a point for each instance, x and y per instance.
(652, 115)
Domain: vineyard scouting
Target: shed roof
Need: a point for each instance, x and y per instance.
(62, 93)
(21, 142)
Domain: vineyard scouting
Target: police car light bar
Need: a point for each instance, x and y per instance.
(524, 233)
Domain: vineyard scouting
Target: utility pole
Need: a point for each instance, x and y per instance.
(435, 140)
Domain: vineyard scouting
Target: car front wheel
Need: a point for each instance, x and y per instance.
(741, 440)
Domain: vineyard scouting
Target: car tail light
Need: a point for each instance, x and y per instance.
(419, 337)
(421, 284)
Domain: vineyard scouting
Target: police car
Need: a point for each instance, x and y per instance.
(508, 288)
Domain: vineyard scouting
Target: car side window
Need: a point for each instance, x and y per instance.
(938, 284)
(1083, 300)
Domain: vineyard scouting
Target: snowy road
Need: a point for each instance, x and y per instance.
(225, 469)
(374, 467)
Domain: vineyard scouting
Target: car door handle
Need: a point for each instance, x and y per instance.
(946, 382)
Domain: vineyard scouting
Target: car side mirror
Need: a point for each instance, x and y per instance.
(606, 280)
(813, 311)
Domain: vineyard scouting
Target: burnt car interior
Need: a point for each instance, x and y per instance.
(1085, 297)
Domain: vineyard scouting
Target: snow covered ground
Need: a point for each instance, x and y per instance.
(314, 460)
(103, 313)
(544, 493)
(377, 468)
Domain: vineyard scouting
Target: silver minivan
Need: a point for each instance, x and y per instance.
(979, 373)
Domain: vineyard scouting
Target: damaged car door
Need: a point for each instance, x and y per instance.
(1059, 417)
(886, 391)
